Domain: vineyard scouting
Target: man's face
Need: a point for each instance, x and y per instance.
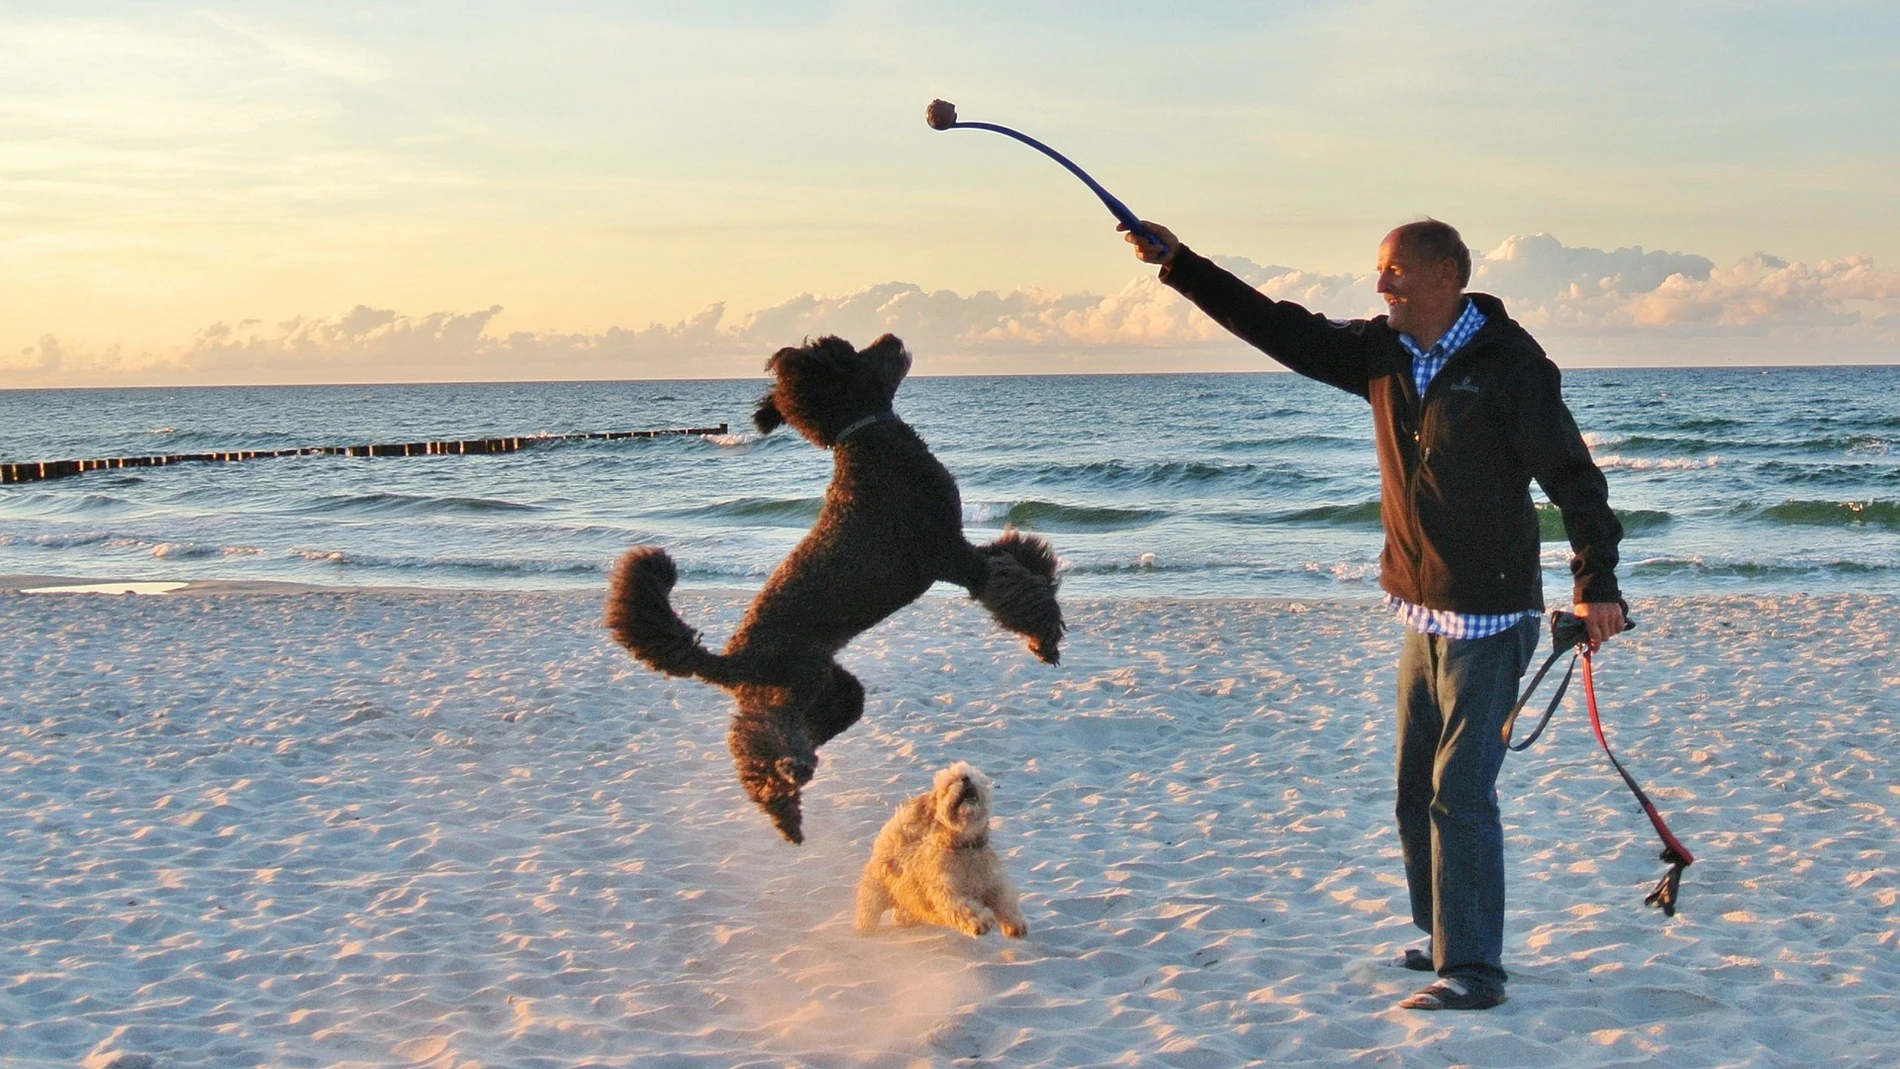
(1419, 294)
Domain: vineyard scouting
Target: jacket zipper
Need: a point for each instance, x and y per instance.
(1420, 452)
(1457, 358)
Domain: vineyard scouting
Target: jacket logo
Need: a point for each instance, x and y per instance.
(1466, 385)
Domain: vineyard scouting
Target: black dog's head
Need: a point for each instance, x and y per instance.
(825, 386)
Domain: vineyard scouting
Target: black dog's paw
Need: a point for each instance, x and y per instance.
(787, 817)
(775, 787)
(778, 795)
(1021, 592)
(774, 759)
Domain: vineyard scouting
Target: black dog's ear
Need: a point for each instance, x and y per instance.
(768, 418)
(889, 361)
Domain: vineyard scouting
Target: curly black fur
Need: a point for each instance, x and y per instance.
(891, 525)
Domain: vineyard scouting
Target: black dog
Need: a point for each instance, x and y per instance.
(891, 525)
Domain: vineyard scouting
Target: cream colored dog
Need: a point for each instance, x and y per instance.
(932, 863)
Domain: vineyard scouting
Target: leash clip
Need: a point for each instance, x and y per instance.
(1664, 896)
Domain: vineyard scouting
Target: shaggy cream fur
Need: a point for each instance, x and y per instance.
(933, 864)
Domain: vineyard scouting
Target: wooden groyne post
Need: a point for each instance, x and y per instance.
(36, 470)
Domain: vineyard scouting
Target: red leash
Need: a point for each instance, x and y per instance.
(1676, 854)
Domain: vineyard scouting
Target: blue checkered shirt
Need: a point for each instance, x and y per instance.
(1425, 366)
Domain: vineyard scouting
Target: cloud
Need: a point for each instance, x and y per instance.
(1540, 266)
(1550, 286)
(1582, 300)
(1143, 313)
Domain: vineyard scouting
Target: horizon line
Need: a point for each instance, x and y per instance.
(1737, 366)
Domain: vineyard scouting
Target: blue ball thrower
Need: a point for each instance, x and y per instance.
(942, 115)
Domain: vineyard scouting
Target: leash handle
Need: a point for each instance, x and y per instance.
(1676, 854)
(1568, 633)
(1510, 718)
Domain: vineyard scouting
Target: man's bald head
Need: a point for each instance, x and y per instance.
(1431, 241)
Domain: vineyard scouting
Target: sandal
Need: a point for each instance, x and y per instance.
(1451, 993)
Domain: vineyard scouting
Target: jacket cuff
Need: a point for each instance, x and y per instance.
(1181, 253)
(1599, 589)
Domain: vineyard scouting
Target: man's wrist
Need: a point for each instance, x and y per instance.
(1169, 261)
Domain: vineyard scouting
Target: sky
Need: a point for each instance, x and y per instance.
(278, 192)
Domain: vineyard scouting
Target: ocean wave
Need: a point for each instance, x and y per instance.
(1112, 475)
(757, 511)
(1882, 514)
(1346, 571)
(68, 540)
(1550, 521)
(1118, 472)
(184, 550)
(1156, 563)
(1277, 412)
(1146, 562)
(59, 502)
(1696, 567)
(321, 556)
(1051, 516)
(1856, 442)
(1281, 443)
(1657, 463)
(1678, 444)
(1355, 572)
(109, 540)
(464, 565)
(711, 573)
(1858, 475)
(193, 550)
(1364, 516)
(391, 504)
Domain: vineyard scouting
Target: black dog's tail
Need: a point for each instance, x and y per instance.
(1021, 592)
(640, 615)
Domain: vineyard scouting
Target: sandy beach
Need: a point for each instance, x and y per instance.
(278, 827)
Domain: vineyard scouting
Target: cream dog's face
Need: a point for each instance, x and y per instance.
(960, 798)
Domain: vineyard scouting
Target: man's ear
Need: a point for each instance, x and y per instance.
(1448, 272)
(768, 418)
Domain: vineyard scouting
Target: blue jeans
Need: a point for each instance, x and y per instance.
(1453, 697)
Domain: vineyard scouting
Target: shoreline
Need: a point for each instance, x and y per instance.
(33, 582)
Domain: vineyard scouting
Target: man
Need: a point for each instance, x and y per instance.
(1467, 411)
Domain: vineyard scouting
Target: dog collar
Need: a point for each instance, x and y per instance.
(980, 842)
(861, 424)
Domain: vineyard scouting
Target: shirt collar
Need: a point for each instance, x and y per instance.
(1462, 328)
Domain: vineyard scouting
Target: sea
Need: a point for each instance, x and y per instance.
(1727, 480)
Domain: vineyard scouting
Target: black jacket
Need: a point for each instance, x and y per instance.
(1455, 470)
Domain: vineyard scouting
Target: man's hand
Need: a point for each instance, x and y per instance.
(1147, 251)
(1601, 620)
